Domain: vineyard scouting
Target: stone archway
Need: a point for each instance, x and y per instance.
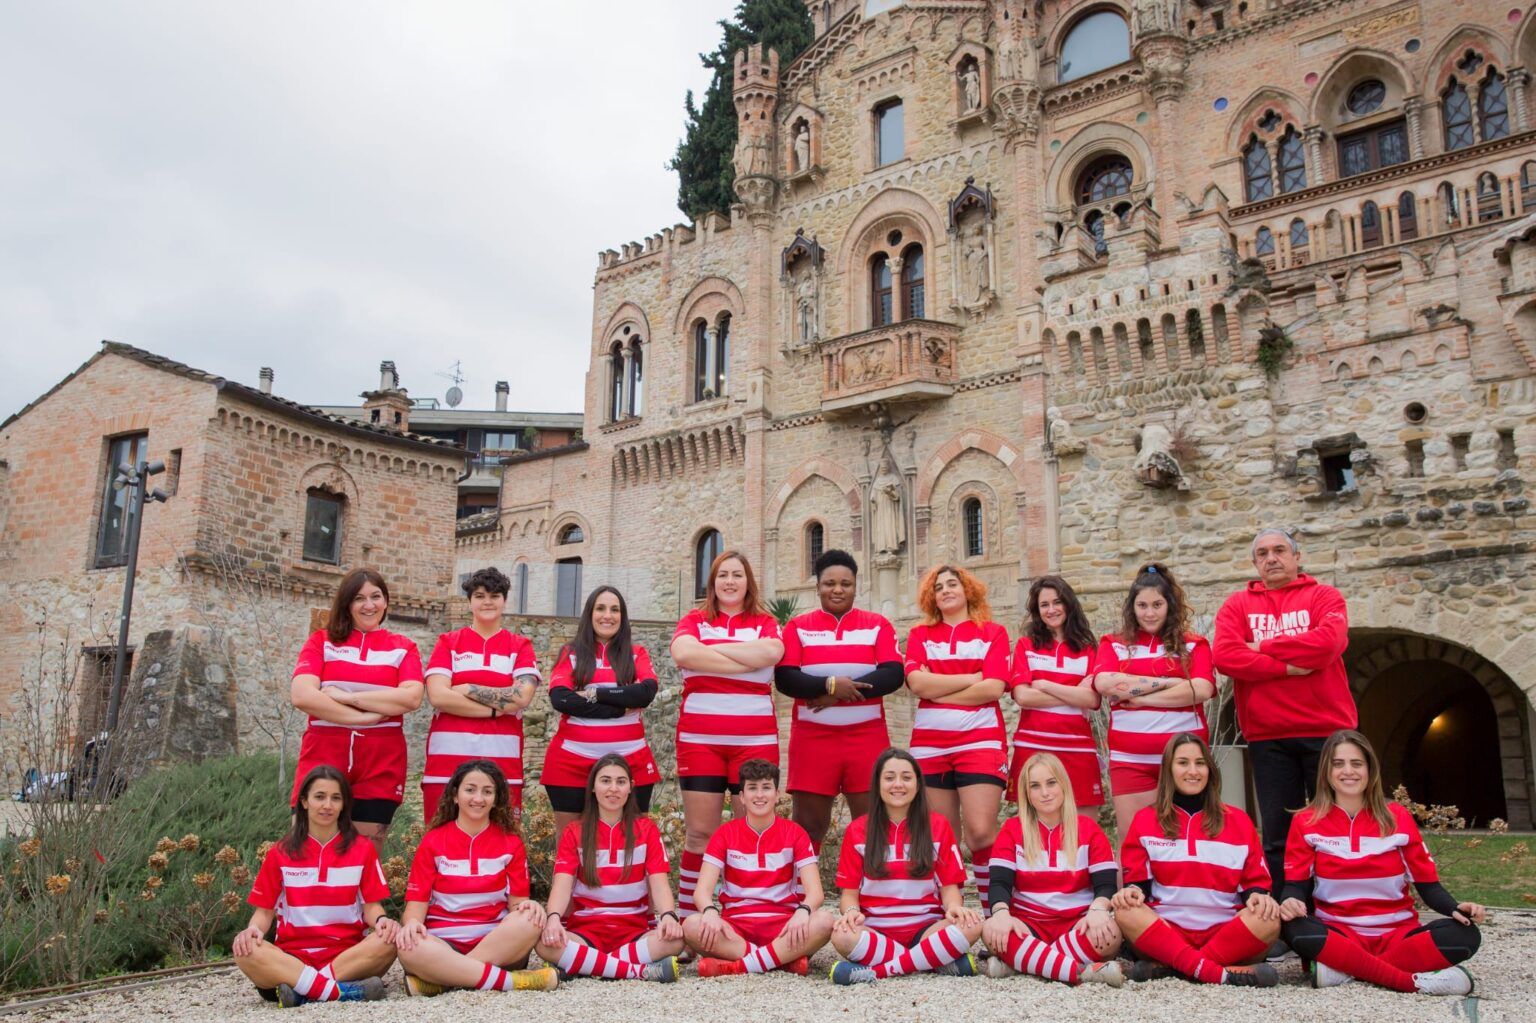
(1447, 723)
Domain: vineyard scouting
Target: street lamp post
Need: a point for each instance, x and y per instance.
(134, 479)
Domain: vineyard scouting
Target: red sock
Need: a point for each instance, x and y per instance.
(1346, 955)
(1417, 953)
(1028, 954)
(1166, 945)
(687, 880)
(494, 978)
(761, 958)
(874, 948)
(589, 962)
(1078, 947)
(1233, 944)
(940, 947)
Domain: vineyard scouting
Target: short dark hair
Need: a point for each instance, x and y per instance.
(758, 769)
(833, 559)
(491, 580)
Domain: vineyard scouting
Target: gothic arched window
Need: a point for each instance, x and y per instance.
(970, 513)
(1096, 42)
(1258, 177)
(882, 309)
(1456, 113)
(912, 305)
(1293, 162)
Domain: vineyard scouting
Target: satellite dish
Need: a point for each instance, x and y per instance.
(454, 396)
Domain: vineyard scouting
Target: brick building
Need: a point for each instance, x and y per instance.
(1072, 284)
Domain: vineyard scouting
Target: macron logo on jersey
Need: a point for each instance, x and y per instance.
(1267, 626)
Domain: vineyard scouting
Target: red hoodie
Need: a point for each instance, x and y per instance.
(1305, 624)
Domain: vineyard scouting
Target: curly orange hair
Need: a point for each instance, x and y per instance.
(975, 595)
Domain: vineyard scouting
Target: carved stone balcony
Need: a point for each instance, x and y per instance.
(913, 360)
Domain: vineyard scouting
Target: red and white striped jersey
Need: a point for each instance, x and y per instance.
(591, 738)
(727, 710)
(939, 728)
(621, 896)
(366, 662)
(319, 894)
(1195, 879)
(466, 880)
(900, 902)
(760, 873)
(1052, 888)
(469, 659)
(1060, 729)
(1360, 877)
(1137, 735)
(822, 644)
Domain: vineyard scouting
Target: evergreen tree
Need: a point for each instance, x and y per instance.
(704, 156)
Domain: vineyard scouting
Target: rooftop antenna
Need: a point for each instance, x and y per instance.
(455, 393)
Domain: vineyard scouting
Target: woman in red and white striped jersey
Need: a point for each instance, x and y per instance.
(1196, 895)
(900, 873)
(1053, 874)
(726, 651)
(480, 679)
(600, 684)
(355, 679)
(325, 888)
(957, 667)
(611, 873)
(1053, 686)
(467, 914)
(1157, 675)
(1352, 855)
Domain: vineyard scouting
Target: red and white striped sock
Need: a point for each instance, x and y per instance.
(940, 947)
(981, 874)
(1077, 947)
(688, 868)
(637, 951)
(589, 962)
(317, 985)
(874, 948)
(1028, 954)
(761, 958)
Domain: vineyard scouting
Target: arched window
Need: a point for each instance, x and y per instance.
(815, 545)
(1299, 237)
(890, 141)
(912, 305)
(1492, 107)
(1456, 112)
(1370, 226)
(1407, 216)
(1490, 204)
(1144, 342)
(571, 534)
(1105, 178)
(1293, 161)
(1258, 176)
(1451, 203)
(615, 382)
(970, 513)
(705, 551)
(1264, 242)
(701, 371)
(1094, 222)
(1528, 185)
(1098, 41)
(882, 311)
(636, 378)
(722, 354)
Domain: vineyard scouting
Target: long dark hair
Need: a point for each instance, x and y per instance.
(501, 810)
(621, 648)
(1323, 797)
(1176, 625)
(298, 831)
(339, 626)
(1214, 810)
(920, 854)
(590, 816)
(1078, 633)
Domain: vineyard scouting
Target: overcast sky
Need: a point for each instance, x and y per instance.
(318, 186)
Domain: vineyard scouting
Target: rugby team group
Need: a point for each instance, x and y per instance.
(1198, 890)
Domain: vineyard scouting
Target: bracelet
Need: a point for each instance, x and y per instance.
(381, 916)
(800, 907)
(711, 906)
(831, 684)
(555, 915)
(671, 912)
(493, 712)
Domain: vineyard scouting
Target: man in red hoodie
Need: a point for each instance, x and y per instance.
(1281, 640)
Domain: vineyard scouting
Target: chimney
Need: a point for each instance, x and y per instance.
(388, 378)
(265, 376)
(502, 388)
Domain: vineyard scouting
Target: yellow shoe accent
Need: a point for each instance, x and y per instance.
(416, 987)
(545, 979)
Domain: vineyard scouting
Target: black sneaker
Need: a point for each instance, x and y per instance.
(1150, 969)
(1257, 975)
(1279, 952)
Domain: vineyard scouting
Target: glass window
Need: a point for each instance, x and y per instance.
(116, 514)
(522, 588)
(1407, 216)
(1370, 226)
(1299, 239)
(1257, 176)
(568, 587)
(890, 142)
(701, 371)
(1456, 112)
(1293, 162)
(705, 551)
(1094, 222)
(1099, 41)
(636, 378)
(1264, 242)
(501, 440)
(1528, 184)
(1493, 107)
(571, 534)
(616, 383)
(322, 527)
(815, 545)
(880, 291)
(971, 512)
(1365, 98)
(722, 354)
(1105, 178)
(912, 282)
(1369, 150)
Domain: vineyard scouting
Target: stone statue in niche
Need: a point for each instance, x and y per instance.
(805, 304)
(970, 83)
(887, 518)
(1156, 16)
(1015, 55)
(802, 147)
(978, 262)
(1058, 434)
(752, 156)
(1155, 465)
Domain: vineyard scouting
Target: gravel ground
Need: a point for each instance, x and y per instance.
(1505, 971)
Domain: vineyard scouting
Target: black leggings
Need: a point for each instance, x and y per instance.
(1456, 941)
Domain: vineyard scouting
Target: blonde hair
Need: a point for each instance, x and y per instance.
(1030, 819)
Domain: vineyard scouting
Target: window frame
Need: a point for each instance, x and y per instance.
(913, 283)
(1372, 137)
(1484, 114)
(882, 296)
(815, 544)
(1258, 172)
(135, 449)
(702, 343)
(634, 379)
(1461, 119)
(313, 497)
(1293, 161)
(1064, 73)
(973, 541)
(708, 546)
(881, 111)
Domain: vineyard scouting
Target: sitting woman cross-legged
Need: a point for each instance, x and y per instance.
(324, 886)
(1053, 873)
(461, 927)
(900, 874)
(1353, 854)
(611, 874)
(1196, 895)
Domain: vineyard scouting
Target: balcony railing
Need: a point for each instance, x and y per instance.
(913, 360)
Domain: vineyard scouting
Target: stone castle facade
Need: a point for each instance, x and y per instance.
(1074, 284)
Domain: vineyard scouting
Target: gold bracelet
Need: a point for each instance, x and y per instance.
(831, 684)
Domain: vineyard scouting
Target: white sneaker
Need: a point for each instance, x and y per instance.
(1453, 980)
(1324, 975)
(997, 966)
(1102, 973)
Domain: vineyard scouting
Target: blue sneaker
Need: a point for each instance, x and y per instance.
(965, 966)
(288, 998)
(845, 973)
(370, 989)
